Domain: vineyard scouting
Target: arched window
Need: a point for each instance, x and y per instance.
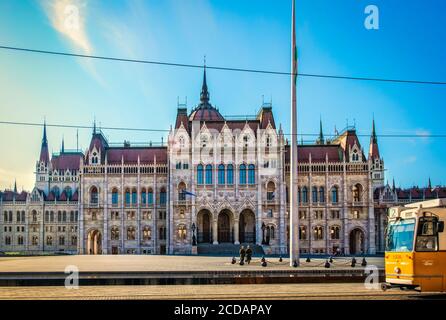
(230, 174)
(334, 194)
(94, 196)
(182, 232)
(127, 197)
(302, 232)
(321, 194)
(143, 196)
(181, 191)
(242, 174)
(52, 216)
(73, 240)
(221, 174)
(318, 233)
(134, 197)
(304, 195)
(270, 189)
(150, 197)
(208, 174)
(56, 192)
(200, 174)
(335, 232)
(34, 216)
(163, 196)
(68, 192)
(131, 233)
(314, 195)
(251, 174)
(147, 233)
(115, 197)
(115, 233)
(61, 241)
(64, 216)
(357, 192)
(299, 195)
(47, 216)
(49, 240)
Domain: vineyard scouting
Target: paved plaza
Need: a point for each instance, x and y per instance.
(134, 263)
(341, 291)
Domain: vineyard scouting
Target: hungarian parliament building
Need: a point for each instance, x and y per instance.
(218, 183)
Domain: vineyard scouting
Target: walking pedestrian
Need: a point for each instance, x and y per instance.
(248, 254)
(242, 255)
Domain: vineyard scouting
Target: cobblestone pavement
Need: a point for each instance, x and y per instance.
(160, 263)
(213, 292)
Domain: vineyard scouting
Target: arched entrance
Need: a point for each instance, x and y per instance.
(247, 227)
(204, 228)
(224, 227)
(357, 245)
(94, 242)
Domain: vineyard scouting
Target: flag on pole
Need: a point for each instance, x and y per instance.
(294, 216)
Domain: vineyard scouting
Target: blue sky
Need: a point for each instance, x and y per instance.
(331, 37)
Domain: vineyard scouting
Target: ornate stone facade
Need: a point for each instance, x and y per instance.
(218, 182)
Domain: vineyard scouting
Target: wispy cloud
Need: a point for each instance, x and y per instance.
(410, 159)
(69, 18)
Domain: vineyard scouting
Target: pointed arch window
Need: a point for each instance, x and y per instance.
(150, 197)
(251, 174)
(115, 197)
(334, 194)
(208, 174)
(242, 174)
(314, 195)
(221, 174)
(200, 174)
(230, 174)
(94, 196)
(321, 194)
(304, 195)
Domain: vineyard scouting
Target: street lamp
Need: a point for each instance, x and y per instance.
(194, 239)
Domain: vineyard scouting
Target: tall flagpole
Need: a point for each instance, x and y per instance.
(294, 210)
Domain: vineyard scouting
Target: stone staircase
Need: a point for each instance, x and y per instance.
(227, 249)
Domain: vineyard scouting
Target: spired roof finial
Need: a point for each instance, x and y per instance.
(204, 96)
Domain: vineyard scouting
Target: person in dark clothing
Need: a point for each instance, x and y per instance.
(248, 254)
(242, 255)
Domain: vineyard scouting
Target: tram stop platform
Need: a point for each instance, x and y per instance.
(164, 270)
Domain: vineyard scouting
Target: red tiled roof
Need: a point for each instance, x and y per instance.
(64, 161)
(233, 125)
(318, 153)
(206, 114)
(146, 155)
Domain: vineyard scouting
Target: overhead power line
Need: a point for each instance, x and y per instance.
(35, 124)
(184, 65)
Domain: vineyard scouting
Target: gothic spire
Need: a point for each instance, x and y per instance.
(15, 186)
(44, 154)
(373, 149)
(62, 150)
(374, 138)
(429, 185)
(204, 96)
(320, 139)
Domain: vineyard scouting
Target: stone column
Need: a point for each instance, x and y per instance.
(236, 231)
(215, 229)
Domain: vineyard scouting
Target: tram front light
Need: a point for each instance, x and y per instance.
(397, 270)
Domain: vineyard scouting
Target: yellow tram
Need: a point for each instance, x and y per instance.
(415, 254)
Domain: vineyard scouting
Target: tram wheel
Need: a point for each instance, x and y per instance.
(384, 286)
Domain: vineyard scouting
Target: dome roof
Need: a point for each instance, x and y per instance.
(206, 114)
(205, 111)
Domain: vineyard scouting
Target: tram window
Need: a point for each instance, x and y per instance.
(427, 235)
